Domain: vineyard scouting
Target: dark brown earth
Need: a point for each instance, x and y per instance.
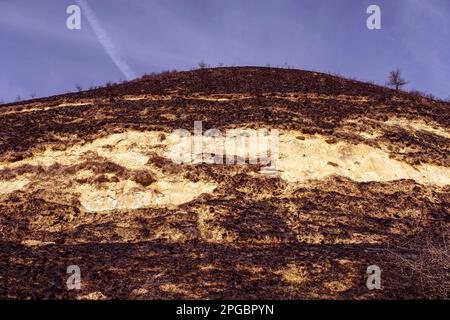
(250, 238)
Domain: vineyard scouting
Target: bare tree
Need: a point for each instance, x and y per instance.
(78, 87)
(396, 80)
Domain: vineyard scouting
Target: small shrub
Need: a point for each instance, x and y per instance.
(202, 65)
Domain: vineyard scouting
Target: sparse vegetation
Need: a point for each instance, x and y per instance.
(427, 261)
(157, 74)
(429, 96)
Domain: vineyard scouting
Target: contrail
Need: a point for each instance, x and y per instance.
(105, 41)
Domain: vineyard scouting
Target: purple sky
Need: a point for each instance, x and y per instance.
(40, 55)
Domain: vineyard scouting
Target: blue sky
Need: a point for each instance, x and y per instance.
(39, 55)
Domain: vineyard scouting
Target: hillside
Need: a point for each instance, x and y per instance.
(362, 178)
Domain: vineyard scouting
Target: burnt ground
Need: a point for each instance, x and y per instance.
(249, 239)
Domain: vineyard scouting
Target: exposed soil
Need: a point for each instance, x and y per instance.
(85, 180)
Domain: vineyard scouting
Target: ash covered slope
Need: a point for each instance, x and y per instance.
(85, 179)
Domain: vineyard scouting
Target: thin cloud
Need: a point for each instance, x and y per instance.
(105, 41)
